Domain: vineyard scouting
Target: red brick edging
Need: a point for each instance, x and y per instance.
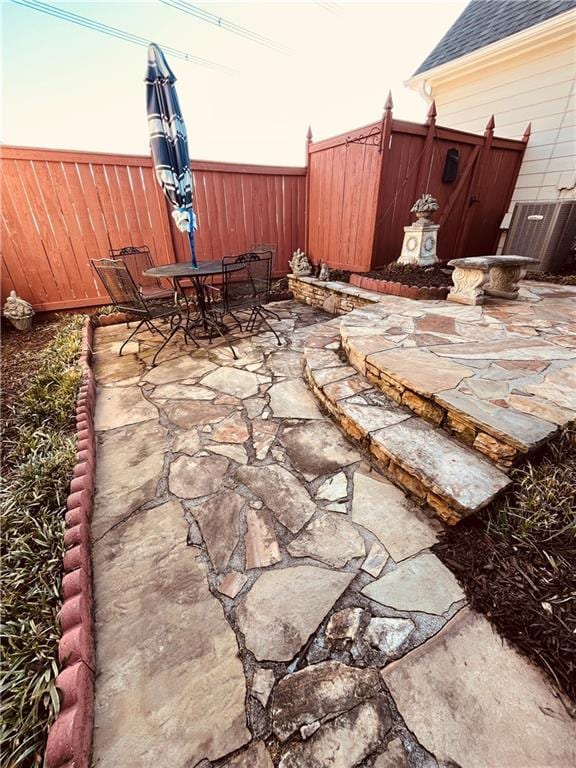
(114, 318)
(398, 289)
(70, 736)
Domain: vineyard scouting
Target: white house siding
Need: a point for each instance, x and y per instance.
(537, 87)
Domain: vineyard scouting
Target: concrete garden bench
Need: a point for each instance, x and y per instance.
(476, 276)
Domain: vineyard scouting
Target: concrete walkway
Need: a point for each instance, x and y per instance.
(265, 598)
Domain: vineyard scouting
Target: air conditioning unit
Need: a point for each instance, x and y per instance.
(544, 231)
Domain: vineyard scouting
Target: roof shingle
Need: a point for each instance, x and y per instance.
(485, 21)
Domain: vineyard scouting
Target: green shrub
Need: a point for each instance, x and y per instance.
(32, 503)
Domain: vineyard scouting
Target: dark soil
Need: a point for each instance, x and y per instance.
(517, 561)
(563, 278)
(279, 290)
(21, 352)
(407, 274)
(340, 275)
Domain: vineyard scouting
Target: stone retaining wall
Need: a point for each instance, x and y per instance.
(461, 427)
(331, 296)
(70, 736)
(358, 434)
(341, 298)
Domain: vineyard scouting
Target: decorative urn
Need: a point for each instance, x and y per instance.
(18, 311)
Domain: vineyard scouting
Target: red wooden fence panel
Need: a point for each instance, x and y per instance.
(342, 201)
(240, 205)
(363, 184)
(60, 209)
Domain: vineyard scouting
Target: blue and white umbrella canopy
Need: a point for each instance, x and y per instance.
(169, 142)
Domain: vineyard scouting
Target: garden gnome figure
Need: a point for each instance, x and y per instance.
(419, 246)
(324, 273)
(299, 264)
(18, 311)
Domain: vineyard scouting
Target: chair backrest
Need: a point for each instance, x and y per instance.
(138, 259)
(265, 248)
(250, 285)
(119, 283)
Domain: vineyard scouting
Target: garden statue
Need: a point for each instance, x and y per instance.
(424, 207)
(299, 264)
(18, 311)
(419, 246)
(324, 273)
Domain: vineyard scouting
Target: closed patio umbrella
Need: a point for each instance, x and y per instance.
(169, 143)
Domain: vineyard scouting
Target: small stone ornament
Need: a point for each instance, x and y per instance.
(18, 311)
(420, 238)
(299, 264)
(324, 273)
(424, 207)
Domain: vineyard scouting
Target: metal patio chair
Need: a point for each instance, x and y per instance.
(265, 248)
(126, 297)
(138, 259)
(248, 290)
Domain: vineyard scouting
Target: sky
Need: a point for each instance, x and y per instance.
(67, 87)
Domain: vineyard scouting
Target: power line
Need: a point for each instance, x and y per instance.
(120, 34)
(329, 7)
(221, 23)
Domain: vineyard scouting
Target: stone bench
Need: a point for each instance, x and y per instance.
(476, 276)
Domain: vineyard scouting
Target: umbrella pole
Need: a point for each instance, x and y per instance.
(192, 249)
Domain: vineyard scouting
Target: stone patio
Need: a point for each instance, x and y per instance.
(500, 377)
(266, 597)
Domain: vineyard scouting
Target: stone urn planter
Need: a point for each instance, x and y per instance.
(19, 312)
(21, 323)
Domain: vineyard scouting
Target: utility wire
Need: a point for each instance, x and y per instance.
(228, 26)
(120, 34)
(329, 7)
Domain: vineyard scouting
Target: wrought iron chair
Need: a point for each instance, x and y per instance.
(126, 297)
(248, 289)
(138, 259)
(265, 248)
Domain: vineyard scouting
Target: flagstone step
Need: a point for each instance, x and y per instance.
(425, 461)
(442, 383)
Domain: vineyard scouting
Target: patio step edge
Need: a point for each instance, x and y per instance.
(423, 460)
(484, 431)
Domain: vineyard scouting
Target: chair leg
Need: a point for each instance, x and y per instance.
(152, 328)
(270, 312)
(131, 336)
(172, 333)
(259, 312)
(233, 316)
(214, 324)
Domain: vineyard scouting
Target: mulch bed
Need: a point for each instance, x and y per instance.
(21, 352)
(517, 561)
(408, 274)
(567, 277)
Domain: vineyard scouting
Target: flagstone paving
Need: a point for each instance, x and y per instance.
(500, 377)
(264, 597)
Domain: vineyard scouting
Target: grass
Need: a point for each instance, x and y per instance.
(38, 462)
(543, 507)
(517, 560)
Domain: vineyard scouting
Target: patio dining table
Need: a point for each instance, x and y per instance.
(198, 276)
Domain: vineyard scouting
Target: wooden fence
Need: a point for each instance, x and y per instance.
(361, 186)
(60, 209)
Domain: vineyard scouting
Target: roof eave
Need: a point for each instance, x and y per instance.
(538, 35)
